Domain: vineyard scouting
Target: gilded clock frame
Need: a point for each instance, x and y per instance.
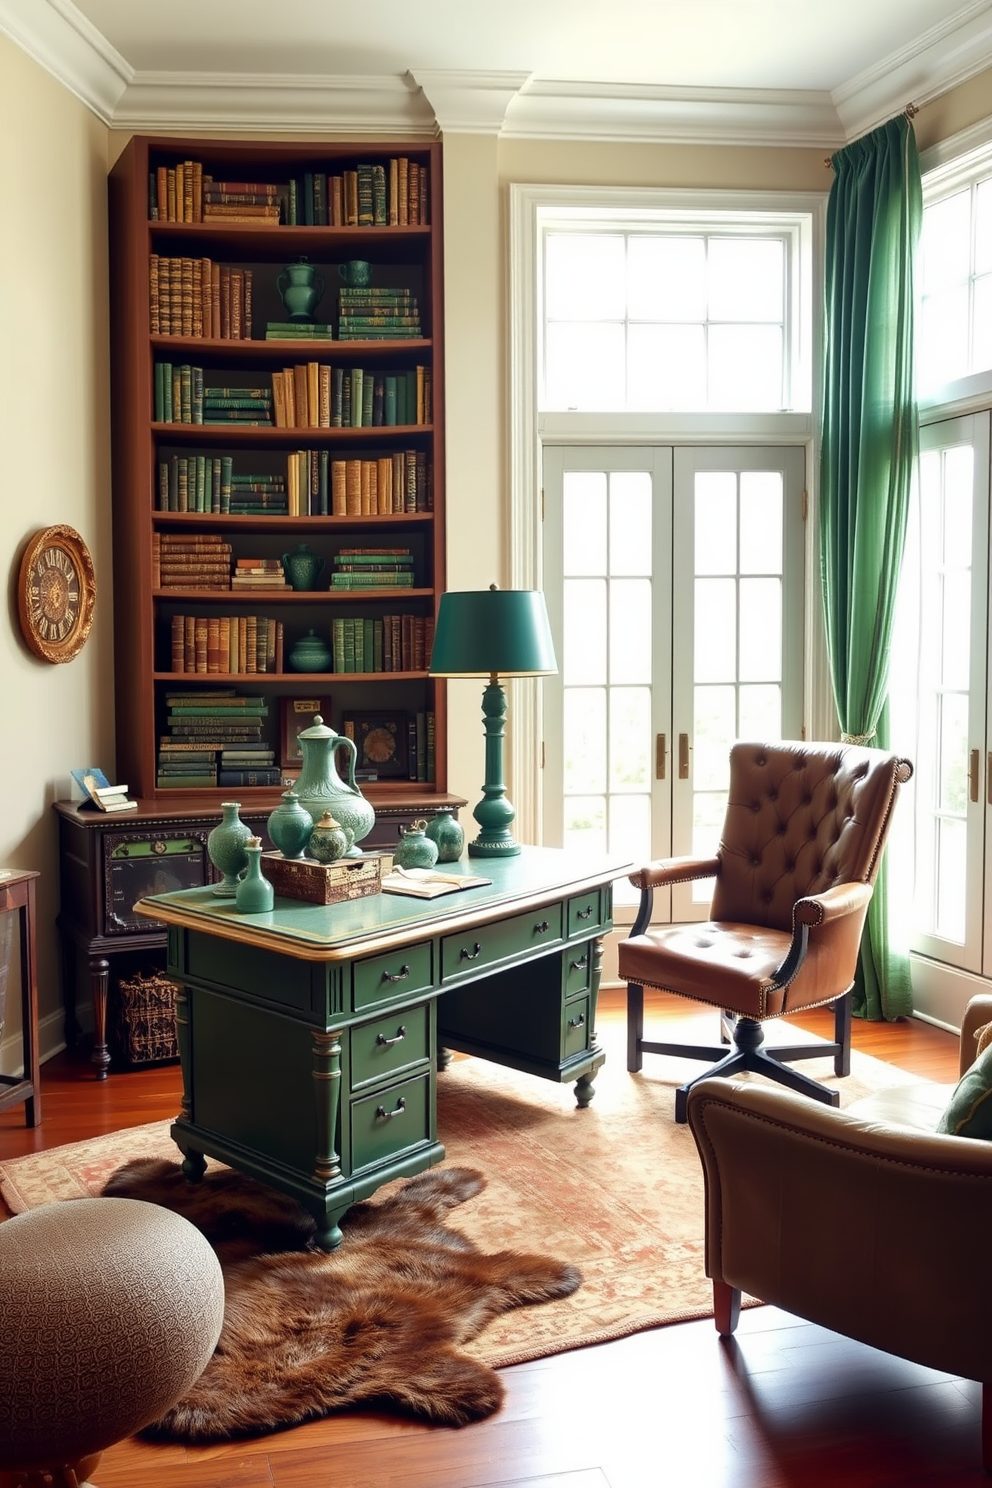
(68, 541)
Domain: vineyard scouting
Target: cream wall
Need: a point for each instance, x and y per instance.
(55, 468)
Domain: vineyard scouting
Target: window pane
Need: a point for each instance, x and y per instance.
(761, 630)
(708, 812)
(942, 350)
(981, 357)
(951, 880)
(666, 367)
(714, 730)
(715, 526)
(630, 835)
(630, 630)
(953, 779)
(584, 639)
(630, 522)
(585, 276)
(983, 227)
(630, 739)
(760, 712)
(666, 278)
(584, 524)
(585, 366)
(959, 470)
(762, 518)
(584, 723)
(956, 649)
(945, 241)
(585, 824)
(715, 621)
(746, 367)
(747, 279)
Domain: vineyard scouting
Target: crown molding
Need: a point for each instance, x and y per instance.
(507, 104)
(362, 107)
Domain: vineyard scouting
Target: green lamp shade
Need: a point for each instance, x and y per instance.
(487, 632)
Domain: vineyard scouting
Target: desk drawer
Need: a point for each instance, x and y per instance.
(524, 934)
(590, 912)
(578, 967)
(391, 1121)
(396, 974)
(392, 1043)
(575, 1027)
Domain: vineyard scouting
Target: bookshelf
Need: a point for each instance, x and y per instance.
(243, 435)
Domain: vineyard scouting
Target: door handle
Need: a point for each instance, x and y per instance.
(973, 774)
(683, 756)
(660, 755)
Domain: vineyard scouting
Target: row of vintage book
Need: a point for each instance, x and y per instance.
(387, 643)
(313, 485)
(197, 297)
(214, 738)
(390, 193)
(235, 645)
(308, 395)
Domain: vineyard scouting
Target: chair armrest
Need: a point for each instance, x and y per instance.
(826, 935)
(821, 909)
(874, 1231)
(976, 1015)
(674, 870)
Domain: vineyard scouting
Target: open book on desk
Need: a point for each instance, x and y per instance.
(427, 883)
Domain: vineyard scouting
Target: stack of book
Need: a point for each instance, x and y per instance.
(258, 573)
(196, 297)
(368, 314)
(178, 396)
(203, 726)
(258, 202)
(233, 644)
(258, 494)
(245, 406)
(298, 330)
(372, 568)
(190, 561)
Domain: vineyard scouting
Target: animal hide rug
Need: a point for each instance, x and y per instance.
(377, 1322)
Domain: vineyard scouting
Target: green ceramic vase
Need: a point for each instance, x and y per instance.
(414, 849)
(254, 893)
(290, 825)
(446, 832)
(226, 848)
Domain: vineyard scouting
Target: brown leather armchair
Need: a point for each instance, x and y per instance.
(802, 839)
(863, 1221)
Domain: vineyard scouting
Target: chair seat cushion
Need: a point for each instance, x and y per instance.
(717, 962)
(918, 1106)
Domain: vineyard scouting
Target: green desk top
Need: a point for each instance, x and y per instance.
(336, 931)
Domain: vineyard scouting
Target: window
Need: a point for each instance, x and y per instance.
(955, 332)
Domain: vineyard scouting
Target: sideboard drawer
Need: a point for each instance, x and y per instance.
(392, 1121)
(395, 974)
(390, 1044)
(153, 861)
(471, 950)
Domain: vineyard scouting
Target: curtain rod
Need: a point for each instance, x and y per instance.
(910, 112)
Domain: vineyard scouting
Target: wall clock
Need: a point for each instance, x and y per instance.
(56, 591)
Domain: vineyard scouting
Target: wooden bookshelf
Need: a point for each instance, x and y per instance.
(178, 293)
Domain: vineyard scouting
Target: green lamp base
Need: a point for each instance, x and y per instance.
(490, 847)
(494, 812)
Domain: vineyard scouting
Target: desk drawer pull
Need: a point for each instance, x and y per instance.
(579, 965)
(470, 955)
(382, 1114)
(542, 928)
(585, 914)
(577, 1022)
(385, 1042)
(399, 976)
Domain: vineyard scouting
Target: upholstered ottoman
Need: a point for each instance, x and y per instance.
(109, 1311)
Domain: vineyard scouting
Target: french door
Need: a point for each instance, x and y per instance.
(674, 581)
(942, 719)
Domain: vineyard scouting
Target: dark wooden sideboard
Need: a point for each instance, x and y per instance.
(107, 861)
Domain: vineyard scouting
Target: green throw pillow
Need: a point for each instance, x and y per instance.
(969, 1113)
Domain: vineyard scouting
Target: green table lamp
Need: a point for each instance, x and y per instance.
(492, 633)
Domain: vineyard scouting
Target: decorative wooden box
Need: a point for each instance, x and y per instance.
(323, 883)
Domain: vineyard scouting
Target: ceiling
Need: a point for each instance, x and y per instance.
(761, 71)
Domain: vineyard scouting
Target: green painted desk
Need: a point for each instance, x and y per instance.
(310, 1037)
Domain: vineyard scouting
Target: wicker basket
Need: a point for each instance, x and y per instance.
(147, 1018)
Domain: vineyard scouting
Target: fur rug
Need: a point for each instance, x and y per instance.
(378, 1322)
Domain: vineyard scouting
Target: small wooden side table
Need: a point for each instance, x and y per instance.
(17, 893)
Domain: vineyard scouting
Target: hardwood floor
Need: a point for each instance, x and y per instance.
(785, 1404)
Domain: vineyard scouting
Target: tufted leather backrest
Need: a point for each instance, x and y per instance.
(801, 818)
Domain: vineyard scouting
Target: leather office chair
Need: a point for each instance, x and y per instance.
(864, 1221)
(802, 839)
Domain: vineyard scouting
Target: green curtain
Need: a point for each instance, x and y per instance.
(869, 441)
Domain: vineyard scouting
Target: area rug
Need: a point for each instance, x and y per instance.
(615, 1190)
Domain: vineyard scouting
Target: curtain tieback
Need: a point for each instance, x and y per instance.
(858, 738)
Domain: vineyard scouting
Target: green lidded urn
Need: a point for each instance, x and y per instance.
(320, 787)
(254, 894)
(290, 825)
(446, 832)
(329, 840)
(310, 654)
(226, 848)
(414, 849)
(302, 568)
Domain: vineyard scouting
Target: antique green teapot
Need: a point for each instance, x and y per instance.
(302, 568)
(320, 787)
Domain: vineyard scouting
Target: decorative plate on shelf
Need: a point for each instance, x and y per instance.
(56, 591)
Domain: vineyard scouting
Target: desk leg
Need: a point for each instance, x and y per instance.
(99, 986)
(29, 1016)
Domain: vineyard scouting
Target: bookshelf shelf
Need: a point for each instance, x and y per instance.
(174, 482)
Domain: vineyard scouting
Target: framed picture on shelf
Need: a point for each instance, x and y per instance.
(381, 740)
(296, 714)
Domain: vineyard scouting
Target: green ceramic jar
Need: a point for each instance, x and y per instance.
(415, 849)
(226, 848)
(254, 893)
(445, 831)
(290, 825)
